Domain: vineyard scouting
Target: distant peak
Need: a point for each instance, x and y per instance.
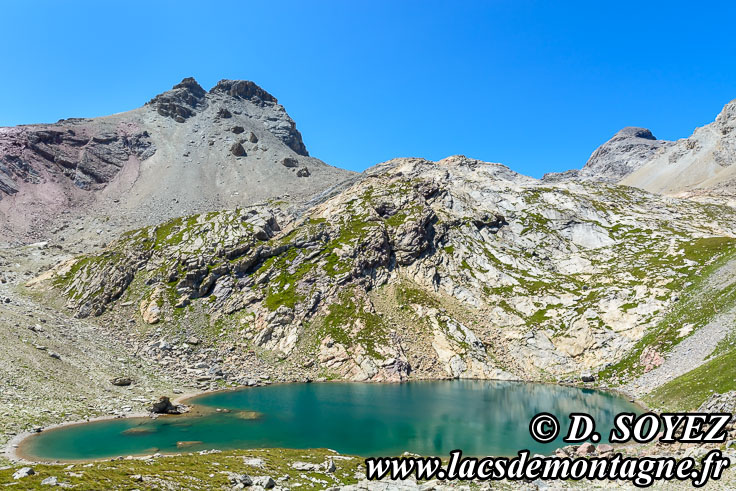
(243, 89)
(635, 132)
(191, 85)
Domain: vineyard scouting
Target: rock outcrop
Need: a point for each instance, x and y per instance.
(279, 124)
(165, 406)
(85, 154)
(181, 102)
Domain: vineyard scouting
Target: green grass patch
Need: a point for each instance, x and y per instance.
(687, 392)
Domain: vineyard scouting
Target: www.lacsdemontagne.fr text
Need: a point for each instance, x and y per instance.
(640, 471)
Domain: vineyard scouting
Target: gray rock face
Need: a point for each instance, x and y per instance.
(279, 124)
(266, 482)
(720, 403)
(624, 153)
(243, 89)
(621, 155)
(181, 102)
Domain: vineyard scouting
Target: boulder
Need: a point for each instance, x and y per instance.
(252, 138)
(561, 453)
(23, 472)
(121, 381)
(290, 162)
(266, 482)
(305, 466)
(303, 172)
(586, 448)
(587, 377)
(237, 149)
(239, 481)
(224, 113)
(165, 406)
(50, 481)
(604, 448)
(150, 309)
(237, 129)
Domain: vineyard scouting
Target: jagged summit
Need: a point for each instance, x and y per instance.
(244, 89)
(191, 85)
(181, 102)
(187, 98)
(184, 98)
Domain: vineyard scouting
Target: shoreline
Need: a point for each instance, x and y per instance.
(14, 453)
(13, 448)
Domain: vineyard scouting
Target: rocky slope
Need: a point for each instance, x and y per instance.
(457, 268)
(701, 165)
(185, 151)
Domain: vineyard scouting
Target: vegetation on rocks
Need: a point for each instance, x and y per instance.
(548, 280)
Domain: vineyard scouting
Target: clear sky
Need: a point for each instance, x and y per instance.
(531, 84)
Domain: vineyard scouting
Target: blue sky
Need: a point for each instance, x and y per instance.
(534, 85)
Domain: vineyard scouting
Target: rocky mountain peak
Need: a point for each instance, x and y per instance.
(181, 102)
(243, 89)
(624, 153)
(629, 149)
(192, 86)
(634, 132)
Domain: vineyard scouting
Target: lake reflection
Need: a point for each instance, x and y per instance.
(428, 418)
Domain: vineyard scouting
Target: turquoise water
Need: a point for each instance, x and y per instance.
(428, 418)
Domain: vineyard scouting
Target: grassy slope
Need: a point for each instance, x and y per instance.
(690, 390)
(700, 302)
(190, 471)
